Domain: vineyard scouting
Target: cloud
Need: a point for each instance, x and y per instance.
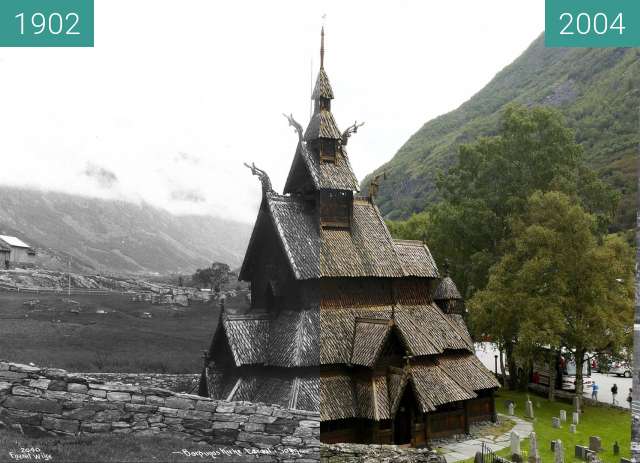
(103, 177)
(186, 157)
(188, 195)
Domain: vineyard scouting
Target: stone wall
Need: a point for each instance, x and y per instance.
(344, 453)
(43, 402)
(173, 382)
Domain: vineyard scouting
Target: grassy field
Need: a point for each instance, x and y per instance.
(112, 448)
(122, 339)
(610, 424)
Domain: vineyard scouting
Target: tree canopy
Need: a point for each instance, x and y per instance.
(490, 185)
(214, 276)
(559, 285)
(523, 224)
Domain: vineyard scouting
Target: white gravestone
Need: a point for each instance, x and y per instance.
(534, 456)
(515, 443)
(529, 409)
(558, 452)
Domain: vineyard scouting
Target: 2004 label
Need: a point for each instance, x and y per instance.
(584, 24)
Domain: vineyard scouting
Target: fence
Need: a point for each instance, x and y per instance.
(489, 456)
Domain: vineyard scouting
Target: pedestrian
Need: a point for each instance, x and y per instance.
(594, 391)
(630, 397)
(614, 393)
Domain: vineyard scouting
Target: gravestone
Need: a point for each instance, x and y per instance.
(534, 456)
(563, 415)
(581, 452)
(478, 458)
(528, 409)
(553, 445)
(616, 448)
(595, 443)
(572, 428)
(510, 409)
(576, 418)
(558, 452)
(515, 446)
(555, 422)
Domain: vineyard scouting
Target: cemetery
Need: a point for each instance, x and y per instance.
(561, 434)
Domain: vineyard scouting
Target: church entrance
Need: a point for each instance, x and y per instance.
(402, 422)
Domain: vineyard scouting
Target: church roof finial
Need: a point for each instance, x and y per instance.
(322, 46)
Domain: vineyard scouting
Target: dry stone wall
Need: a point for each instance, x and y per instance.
(42, 402)
(347, 453)
(173, 382)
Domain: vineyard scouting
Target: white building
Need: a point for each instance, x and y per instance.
(14, 252)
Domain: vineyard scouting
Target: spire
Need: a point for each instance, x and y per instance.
(322, 48)
(322, 88)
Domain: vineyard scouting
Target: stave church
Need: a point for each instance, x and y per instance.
(345, 319)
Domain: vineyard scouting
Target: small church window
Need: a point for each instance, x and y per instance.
(328, 151)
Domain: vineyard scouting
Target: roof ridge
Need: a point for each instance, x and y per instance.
(409, 242)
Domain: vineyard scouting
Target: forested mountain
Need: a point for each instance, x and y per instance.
(596, 90)
(117, 236)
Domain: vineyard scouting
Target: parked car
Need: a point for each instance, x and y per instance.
(620, 369)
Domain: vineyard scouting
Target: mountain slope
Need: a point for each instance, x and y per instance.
(117, 236)
(597, 90)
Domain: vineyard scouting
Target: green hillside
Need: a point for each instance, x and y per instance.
(597, 91)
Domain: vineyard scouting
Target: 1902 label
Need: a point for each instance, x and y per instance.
(46, 23)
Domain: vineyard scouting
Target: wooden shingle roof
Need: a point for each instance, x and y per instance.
(434, 387)
(337, 399)
(322, 88)
(365, 250)
(368, 339)
(468, 371)
(455, 377)
(301, 392)
(416, 258)
(296, 226)
(289, 340)
(322, 125)
(355, 336)
(338, 326)
(446, 290)
(326, 175)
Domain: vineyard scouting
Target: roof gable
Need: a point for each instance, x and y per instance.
(13, 241)
(296, 227)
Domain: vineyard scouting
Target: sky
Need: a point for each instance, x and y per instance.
(176, 96)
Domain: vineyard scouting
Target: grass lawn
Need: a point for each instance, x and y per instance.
(77, 337)
(610, 424)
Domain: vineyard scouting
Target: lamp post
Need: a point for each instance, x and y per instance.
(495, 358)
